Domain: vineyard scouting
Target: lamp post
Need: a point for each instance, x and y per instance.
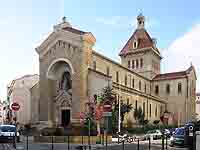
(119, 119)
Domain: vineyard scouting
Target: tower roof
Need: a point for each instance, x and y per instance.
(143, 41)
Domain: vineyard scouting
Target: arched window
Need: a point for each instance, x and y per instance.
(149, 110)
(156, 89)
(133, 83)
(179, 88)
(156, 111)
(168, 89)
(127, 101)
(136, 105)
(137, 63)
(139, 85)
(129, 64)
(125, 80)
(141, 63)
(117, 76)
(144, 108)
(133, 64)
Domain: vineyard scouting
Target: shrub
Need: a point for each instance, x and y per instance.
(27, 126)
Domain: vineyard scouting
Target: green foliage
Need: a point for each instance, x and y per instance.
(156, 122)
(139, 116)
(107, 94)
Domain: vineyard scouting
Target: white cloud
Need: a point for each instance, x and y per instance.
(183, 51)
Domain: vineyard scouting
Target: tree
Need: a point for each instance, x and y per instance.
(139, 116)
(124, 109)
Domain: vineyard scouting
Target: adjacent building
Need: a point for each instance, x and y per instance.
(198, 106)
(71, 72)
(21, 91)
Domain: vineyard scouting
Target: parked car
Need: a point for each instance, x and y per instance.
(178, 137)
(155, 134)
(7, 133)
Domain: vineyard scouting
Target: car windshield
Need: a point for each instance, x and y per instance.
(179, 131)
(7, 129)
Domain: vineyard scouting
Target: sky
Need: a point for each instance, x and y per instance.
(25, 24)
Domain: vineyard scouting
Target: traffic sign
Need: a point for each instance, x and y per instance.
(15, 106)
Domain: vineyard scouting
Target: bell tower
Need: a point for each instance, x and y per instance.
(140, 53)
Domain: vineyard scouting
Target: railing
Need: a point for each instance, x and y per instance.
(55, 143)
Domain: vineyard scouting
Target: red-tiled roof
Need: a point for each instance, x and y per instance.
(73, 30)
(143, 39)
(170, 76)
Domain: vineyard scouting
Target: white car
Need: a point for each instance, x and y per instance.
(7, 133)
(155, 134)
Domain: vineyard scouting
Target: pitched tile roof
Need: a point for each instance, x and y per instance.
(170, 76)
(143, 38)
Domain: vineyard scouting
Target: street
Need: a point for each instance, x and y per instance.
(114, 146)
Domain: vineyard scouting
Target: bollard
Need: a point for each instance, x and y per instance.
(163, 143)
(52, 143)
(138, 146)
(166, 141)
(149, 144)
(82, 140)
(68, 142)
(123, 144)
(14, 142)
(106, 142)
(27, 143)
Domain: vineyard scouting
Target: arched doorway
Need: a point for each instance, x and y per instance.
(60, 71)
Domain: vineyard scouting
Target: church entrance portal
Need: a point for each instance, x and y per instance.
(65, 117)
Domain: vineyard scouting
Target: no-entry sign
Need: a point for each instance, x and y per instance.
(15, 106)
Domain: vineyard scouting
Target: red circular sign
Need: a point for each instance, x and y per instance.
(15, 106)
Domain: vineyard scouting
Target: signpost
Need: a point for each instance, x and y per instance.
(15, 106)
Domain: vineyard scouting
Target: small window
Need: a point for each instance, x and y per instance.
(179, 88)
(139, 85)
(145, 88)
(135, 44)
(94, 65)
(161, 109)
(125, 80)
(133, 64)
(108, 71)
(137, 63)
(117, 76)
(168, 89)
(129, 64)
(156, 111)
(133, 82)
(141, 63)
(150, 110)
(156, 89)
(136, 105)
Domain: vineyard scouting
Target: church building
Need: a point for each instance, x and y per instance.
(71, 72)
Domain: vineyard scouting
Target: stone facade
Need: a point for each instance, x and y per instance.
(198, 106)
(71, 72)
(19, 91)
